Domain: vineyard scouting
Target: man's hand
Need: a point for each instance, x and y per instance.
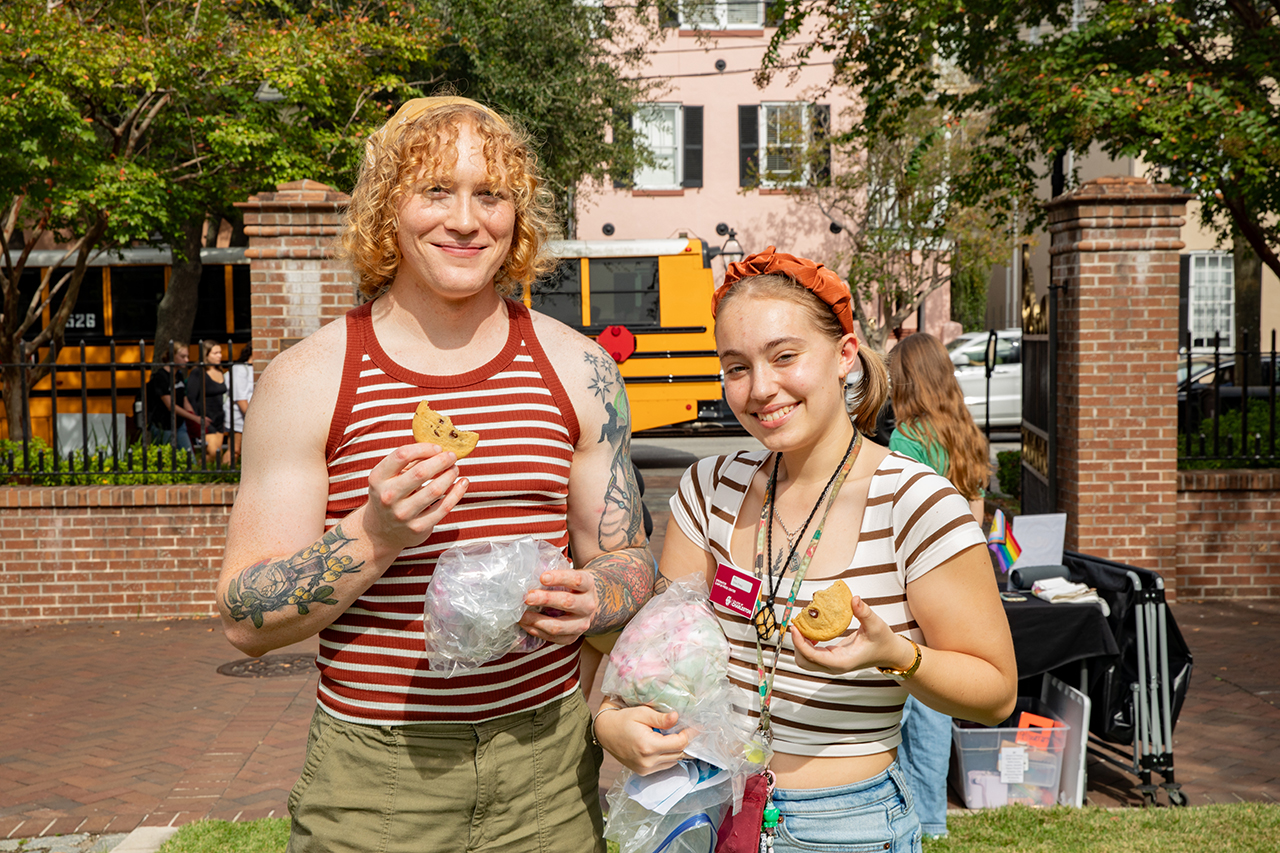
(409, 492)
(565, 609)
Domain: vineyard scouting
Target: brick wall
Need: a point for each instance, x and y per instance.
(1114, 249)
(296, 285)
(147, 552)
(98, 552)
(1229, 534)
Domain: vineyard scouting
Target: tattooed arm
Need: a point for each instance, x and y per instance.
(284, 577)
(615, 568)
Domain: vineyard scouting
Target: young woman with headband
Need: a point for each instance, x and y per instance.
(817, 505)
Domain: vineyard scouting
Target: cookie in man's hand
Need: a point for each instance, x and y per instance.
(431, 427)
(828, 615)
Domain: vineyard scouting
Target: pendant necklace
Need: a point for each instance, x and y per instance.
(765, 620)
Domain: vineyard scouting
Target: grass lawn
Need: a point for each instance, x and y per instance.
(1239, 828)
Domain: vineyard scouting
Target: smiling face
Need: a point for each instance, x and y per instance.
(455, 231)
(783, 377)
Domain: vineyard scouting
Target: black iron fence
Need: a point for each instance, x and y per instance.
(1227, 406)
(91, 420)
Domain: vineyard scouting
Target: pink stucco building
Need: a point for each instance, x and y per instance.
(714, 133)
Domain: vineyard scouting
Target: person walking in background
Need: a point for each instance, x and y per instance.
(168, 410)
(206, 386)
(933, 427)
(236, 401)
(341, 516)
(818, 505)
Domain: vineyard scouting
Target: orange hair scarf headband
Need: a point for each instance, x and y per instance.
(811, 275)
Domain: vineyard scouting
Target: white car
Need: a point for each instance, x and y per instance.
(969, 355)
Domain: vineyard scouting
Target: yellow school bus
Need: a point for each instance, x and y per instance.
(659, 292)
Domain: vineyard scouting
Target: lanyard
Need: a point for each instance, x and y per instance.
(765, 599)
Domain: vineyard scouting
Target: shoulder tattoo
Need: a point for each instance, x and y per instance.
(621, 523)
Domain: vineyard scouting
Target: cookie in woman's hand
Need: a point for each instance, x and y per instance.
(828, 615)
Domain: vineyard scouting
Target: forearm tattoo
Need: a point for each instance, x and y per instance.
(624, 582)
(303, 580)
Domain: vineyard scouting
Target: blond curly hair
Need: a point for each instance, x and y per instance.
(404, 153)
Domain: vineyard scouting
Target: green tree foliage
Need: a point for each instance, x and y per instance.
(133, 120)
(1189, 86)
(566, 69)
(905, 232)
(141, 121)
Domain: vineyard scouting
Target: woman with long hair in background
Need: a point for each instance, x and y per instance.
(933, 427)
(205, 389)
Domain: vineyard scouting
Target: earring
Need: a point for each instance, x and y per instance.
(852, 390)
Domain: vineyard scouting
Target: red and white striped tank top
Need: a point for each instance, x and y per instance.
(373, 665)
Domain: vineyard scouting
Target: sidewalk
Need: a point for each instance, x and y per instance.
(113, 726)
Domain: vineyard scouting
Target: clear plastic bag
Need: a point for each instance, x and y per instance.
(673, 656)
(476, 598)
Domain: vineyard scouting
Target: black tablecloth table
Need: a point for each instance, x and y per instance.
(1048, 636)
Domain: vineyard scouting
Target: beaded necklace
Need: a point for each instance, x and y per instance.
(764, 618)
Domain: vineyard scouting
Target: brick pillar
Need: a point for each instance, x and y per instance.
(296, 284)
(1114, 248)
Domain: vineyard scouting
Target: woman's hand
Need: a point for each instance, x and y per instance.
(628, 734)
(873, 644)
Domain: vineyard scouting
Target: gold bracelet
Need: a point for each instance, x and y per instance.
(902, 674)
(595, 740)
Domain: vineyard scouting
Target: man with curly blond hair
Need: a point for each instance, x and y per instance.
(341, 516)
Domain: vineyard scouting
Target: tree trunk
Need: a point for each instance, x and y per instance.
(176, 314)
(1248, 276)
(14, 391)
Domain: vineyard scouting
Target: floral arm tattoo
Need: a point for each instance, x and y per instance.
(302, 581)
(624, 573)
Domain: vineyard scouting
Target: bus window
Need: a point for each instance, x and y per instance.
(624, 291)
(87, 320)
(559, 294)
(136, 292)
(240, 302)
(211, 304)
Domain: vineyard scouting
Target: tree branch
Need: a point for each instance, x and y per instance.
(1251, 231)
(141, 128)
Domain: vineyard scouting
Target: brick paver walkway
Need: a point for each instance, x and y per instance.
(110, 726)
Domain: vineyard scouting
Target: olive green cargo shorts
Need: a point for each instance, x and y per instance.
(521, 783)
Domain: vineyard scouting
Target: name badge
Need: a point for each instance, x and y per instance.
(735, 590)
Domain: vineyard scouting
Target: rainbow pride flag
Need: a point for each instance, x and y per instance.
(1001, 541)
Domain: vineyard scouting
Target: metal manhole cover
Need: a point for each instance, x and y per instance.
(269, 666)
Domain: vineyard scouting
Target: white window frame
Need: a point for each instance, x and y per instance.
(1211, 298)
(650, 178)
(794, 177)
(722, 14)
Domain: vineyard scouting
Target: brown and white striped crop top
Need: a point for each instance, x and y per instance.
(915, 521)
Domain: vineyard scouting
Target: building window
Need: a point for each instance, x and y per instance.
(658, 126)
(673, 133)
(722, 14)
(783, 144)
(1210, 282)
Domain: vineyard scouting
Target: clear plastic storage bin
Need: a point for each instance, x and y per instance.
(1007, 765)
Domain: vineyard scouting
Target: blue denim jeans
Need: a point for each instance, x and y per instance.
(874, 814)
(165, 436)
(925, 756)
